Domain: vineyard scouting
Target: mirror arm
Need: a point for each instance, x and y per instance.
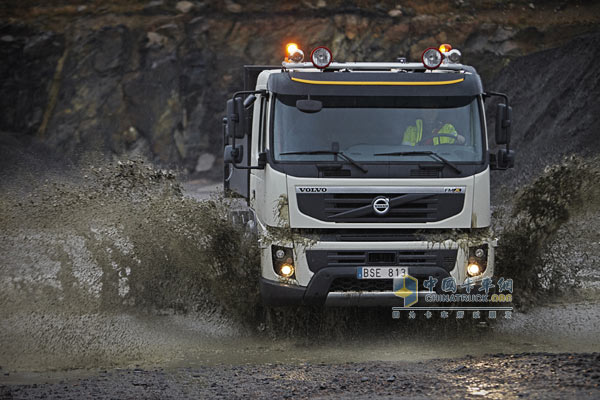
(249, 167)
(241, 92)
(503, 95)
(262, 162)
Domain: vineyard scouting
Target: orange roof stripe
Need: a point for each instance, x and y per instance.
(379, 83)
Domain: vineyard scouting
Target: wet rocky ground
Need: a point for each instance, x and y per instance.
(525, 375)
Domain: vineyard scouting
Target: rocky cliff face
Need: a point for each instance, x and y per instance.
(151, 78)
(554, 94)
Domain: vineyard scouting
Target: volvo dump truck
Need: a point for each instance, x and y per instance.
(357, 174)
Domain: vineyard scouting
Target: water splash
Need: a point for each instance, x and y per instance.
(114, 265)
(124, 236)
(114, 242)
(548, 233)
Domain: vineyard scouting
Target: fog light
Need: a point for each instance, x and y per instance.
(286, 270)
(473, 269)
(479, 253)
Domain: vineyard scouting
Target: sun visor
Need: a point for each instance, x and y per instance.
(374, 84)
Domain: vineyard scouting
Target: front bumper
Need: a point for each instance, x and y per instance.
(319, 293)
(326, 272)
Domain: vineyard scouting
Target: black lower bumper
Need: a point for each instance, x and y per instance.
(281, 294)
(317, 292)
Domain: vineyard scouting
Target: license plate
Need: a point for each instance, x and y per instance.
(381, 272)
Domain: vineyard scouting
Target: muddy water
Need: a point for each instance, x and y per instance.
(110, 264)
(116, 267)
(57, 342)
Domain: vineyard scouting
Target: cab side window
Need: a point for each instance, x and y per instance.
(263, 123)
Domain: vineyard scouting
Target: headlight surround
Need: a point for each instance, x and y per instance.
(478, 256)
(283, 261)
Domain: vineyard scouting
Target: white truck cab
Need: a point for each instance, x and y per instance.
(358, 174)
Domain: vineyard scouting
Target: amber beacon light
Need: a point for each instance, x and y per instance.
(293, 53)
(444, 48)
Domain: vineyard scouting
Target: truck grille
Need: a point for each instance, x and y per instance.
(357, 207)
(370, 235)
(318, 259)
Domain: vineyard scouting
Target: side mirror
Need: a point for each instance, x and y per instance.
(503, 122)
(504, 159)
(309, 106)
(233, 155)
(235, 118)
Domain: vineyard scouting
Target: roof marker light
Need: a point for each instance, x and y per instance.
(321, 57)
(432, 58)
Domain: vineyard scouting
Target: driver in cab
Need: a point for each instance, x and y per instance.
(431, 131)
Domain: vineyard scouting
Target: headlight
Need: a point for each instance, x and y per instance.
(286, 270)
(473, 269)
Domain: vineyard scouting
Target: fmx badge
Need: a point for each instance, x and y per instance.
(407, 287)
(453, 190)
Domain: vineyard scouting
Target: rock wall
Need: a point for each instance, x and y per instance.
(151, 78)
(554, 94)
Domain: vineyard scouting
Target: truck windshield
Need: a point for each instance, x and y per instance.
(379, 129)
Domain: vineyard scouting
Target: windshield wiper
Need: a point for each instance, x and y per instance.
(337, 153)
(432, 154)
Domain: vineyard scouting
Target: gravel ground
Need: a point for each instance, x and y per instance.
(529, 375)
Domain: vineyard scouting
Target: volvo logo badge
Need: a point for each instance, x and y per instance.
(381, 205)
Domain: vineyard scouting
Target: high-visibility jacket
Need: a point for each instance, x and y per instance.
(447, 129)
(414, 134)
